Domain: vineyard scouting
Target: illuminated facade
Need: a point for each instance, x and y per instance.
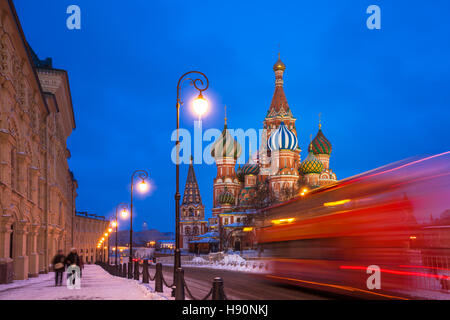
(37, 189)
(277, 164)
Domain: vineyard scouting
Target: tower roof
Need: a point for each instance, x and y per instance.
(282, 139)
(311, 164)
(279, 105)
(226, 146)
(226, 197)
(191, 189)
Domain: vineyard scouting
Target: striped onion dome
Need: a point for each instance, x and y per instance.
(320, 144)
(282, 139)
(226, 146)
(250, 168)
(226, 197)
(311, 164)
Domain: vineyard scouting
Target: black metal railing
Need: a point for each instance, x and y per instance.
(179, 288)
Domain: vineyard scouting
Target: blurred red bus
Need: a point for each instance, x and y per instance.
(395, 217)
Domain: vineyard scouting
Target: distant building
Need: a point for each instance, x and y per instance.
(88, 229)
(165, 244)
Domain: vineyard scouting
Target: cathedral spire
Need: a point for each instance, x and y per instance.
(226, 116)
(191, 190)
(279, 105)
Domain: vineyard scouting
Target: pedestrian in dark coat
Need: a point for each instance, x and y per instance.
(59, 267)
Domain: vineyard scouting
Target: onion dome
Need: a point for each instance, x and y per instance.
(226, 146)
(279, 65)
(282, 139)
(311, 164)
(250, 168)
(226, 197)
(320, 144)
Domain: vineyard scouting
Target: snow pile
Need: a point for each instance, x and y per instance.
(233, 259)
(233, 262)
(199, 260)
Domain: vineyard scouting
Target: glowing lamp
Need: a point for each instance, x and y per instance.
(143, 186)
(110, 230)
(247, 229)
(114, 224)
(200, 105)
(106, 234)
(124, 213)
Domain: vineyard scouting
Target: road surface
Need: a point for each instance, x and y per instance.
(238, 285)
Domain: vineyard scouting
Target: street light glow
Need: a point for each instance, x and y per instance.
(143, 186)
(124, 213)
(114, 224)
(200, 105)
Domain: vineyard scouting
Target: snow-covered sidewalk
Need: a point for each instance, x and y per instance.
(96, 284)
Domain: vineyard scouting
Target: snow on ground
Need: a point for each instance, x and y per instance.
(233, 262)
(96, 284)
(199, 260)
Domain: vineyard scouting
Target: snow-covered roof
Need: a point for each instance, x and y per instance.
(211, 234)
(166, 241)
(235, 225)
(205, 240)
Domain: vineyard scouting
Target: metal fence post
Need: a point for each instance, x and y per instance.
(145, 272)
(218, 293)
(130, 270)
(158, 278)
(124, 270)
(136, 270)
(179, 290)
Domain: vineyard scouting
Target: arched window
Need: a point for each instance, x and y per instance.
(195, 230)
(187, 230)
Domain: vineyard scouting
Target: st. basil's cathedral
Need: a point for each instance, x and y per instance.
(277, 164)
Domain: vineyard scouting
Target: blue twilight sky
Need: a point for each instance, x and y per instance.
(384, 94)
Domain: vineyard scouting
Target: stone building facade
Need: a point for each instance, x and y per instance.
(37, 189)
(87, 231)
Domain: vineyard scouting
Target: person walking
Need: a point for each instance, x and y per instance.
(58, 267)
(73, 259)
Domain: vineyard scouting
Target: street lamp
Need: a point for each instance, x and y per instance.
(200, 106)
(124, 207)
(143, 187)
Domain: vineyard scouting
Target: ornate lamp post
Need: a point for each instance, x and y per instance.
(200, 106)
(124, 208)
(143, 187)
